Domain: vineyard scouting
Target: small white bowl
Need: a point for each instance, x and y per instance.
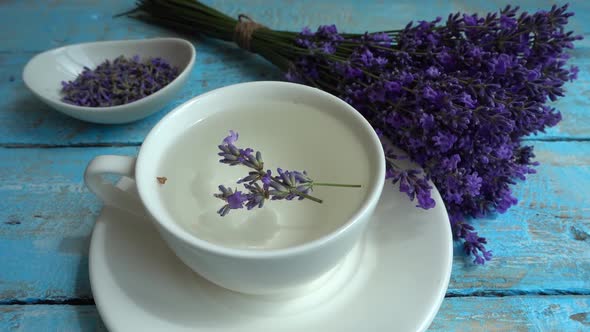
(45, 72)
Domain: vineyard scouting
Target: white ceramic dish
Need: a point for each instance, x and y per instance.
(44, 73)
(394, 280)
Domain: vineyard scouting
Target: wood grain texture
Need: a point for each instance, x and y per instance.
(41, 318)
(541, 246)
(46, 219)
(515, 313)
(510, 314)
(25, 120)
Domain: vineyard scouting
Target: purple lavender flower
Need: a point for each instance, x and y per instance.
(258, 195)
(411, 183)
(233, 155)
(501, 64)
(473, 184)
(573, 73)
(231, 138)
(289, 185)
(234, 199)
(474, 245)
(432, 72)
(507, 22)
(470, 20)
(444, 141)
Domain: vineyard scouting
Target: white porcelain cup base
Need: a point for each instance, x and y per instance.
(331, 279)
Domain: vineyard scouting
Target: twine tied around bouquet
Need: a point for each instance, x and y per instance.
(245, 27)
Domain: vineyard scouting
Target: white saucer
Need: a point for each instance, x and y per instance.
(394, 280)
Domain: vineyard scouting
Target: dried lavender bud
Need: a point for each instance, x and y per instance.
(234, 156)
(290, 184)
(234, 199)
(118, 82)
(258, 195)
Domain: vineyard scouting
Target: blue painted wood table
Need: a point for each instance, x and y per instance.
(538, 281)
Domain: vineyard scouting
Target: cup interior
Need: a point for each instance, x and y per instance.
(295, 127)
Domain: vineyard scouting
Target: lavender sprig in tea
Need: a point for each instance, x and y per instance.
(260, 184)
(118, 82)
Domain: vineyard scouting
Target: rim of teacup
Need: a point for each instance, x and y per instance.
(156, 211)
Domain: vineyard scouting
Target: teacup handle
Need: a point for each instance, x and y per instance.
(107, 191)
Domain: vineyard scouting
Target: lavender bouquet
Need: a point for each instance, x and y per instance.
(457, 96)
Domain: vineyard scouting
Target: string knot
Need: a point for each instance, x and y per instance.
(245, 27)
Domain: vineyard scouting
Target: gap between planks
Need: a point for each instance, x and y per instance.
(483, 293)
(517, 292)
(74, 301)
(72, 145)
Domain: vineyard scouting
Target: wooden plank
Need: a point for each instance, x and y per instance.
(514, 313)
(50, 318)
(541, 246)
(46, 219)
(25, 120)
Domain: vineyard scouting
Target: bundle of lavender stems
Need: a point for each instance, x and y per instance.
(457, 95)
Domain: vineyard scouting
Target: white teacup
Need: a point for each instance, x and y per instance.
(255, 270)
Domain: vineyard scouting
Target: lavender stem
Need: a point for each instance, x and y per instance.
(323, 184)
(304, 195)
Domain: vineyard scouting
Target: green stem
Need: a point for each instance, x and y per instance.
(304, 195)
(336, 185)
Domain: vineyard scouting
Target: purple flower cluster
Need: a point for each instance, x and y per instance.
(457, 97)
(260, 184)
(118, 82)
